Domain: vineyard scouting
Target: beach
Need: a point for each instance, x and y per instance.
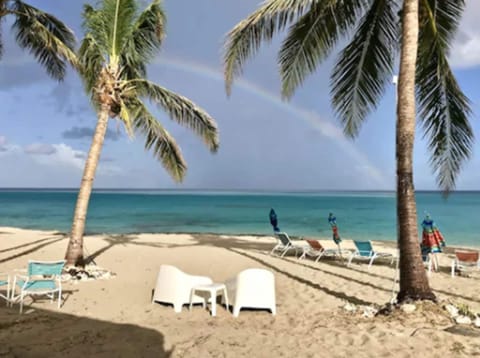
(116, 318)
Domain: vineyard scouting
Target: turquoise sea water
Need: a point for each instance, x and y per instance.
(360, 215)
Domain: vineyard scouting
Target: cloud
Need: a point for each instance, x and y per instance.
(466, 49)
(40, 149)
(87, 132)
(3, 143)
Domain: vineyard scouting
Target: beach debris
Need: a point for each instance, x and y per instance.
(350, 307)
(452, 310)
(408, 307)
(89, 273)
(369, 311)
(476, 323)
(463, 320)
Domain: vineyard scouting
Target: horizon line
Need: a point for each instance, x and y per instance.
(232, 190)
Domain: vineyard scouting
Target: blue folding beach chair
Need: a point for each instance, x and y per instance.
(43, 278)
(365, 251)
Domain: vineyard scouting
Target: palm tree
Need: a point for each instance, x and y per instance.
(421, 31)
(48, 39)
(118, 44)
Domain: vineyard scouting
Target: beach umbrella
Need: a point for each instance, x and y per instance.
(432, 238)
(332, 220)
(274, 220)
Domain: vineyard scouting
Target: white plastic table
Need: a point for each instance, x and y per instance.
(214, 289)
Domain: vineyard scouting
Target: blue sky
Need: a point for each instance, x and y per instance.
(46, 127)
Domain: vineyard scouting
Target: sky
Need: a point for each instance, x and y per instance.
(265, 144)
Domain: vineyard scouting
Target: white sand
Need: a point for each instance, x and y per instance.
(115, 318)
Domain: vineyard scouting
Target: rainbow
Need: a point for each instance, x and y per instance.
(324, 127)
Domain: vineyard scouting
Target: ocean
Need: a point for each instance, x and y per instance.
(360, 215)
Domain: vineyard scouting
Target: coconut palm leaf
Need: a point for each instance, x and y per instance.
(91, 59)
(311, 39)
(158, 140)
(365, 66)
(245, 39)
(46, 37)
(443, 107)
(182, 110)
(144, 39)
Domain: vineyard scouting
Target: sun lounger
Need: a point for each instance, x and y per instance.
(315, 249)
(285, 244)
(43, 278)
(252, 288)
(365, 251)
(175, 286)
(465, 260)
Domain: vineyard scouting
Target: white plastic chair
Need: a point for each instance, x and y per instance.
(252, 288)
(174, 286)
(43, 278)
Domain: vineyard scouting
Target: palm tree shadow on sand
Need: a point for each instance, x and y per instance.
(53, 334)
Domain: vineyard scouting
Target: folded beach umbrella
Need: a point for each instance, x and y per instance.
(274, 220)
(432, 238)
(332, 220)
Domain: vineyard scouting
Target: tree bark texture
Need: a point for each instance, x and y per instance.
(74, 254)
(413, 278)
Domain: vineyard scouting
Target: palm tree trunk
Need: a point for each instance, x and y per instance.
(413, 279)
(74, 254)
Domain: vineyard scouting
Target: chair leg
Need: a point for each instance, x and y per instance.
(236, 311)
(371, 261)
(453, 268)
(350, 259)
(226, 297)
(59, 298)
(22, 296)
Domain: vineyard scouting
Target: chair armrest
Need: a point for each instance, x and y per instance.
(23, 277)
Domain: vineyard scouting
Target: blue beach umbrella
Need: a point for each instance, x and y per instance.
(274, 220)
(332, 220)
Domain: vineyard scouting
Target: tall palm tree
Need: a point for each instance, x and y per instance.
(118, 44)
(421, 32)
(49, 40)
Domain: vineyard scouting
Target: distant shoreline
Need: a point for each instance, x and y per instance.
(245, 191)
(449, 249)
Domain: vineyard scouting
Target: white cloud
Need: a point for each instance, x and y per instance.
(40, 149)
(466, 49)
(49, 165)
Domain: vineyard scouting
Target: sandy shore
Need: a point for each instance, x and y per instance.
(115, 318)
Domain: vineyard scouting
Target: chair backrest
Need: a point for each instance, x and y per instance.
(467, 256)
(47, 268)
(364, 247)
(314, 244)
(283, 237)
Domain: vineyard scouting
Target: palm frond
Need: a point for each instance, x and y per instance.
(96, 27)
(143, 41)
(49, 40)
(365, 66)
(157, 139)
(311, 39)
(182, 110)
(120, 14)
(91, 60)
(245, 38)
(443, 107)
